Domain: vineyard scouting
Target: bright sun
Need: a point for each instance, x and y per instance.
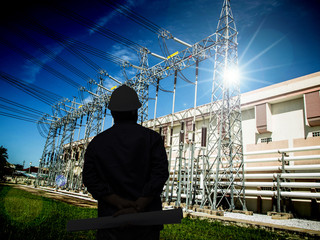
(231, 76)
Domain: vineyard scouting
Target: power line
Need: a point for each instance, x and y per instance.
(27, 119)
(134, 16)
(21, 106)
(28, 114)
(72, 45)
(49, 53)
(41, 94)
(40, 63)
(183, 77)
(96, 27)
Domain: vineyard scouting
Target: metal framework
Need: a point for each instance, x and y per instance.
(224, 150)
(203, 175)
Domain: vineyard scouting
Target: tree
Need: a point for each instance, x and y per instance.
(19, 167)
(3, 160)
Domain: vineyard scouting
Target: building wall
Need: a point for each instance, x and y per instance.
(287, 127)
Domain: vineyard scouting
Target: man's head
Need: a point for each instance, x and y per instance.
(124, 103)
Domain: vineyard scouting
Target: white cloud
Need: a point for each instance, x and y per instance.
(87, 100)
(124, 53)
(110, 84)
(102, 21)
(31, 70)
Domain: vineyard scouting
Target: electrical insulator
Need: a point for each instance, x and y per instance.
(194, 131)
(190, 136)
(181, 140)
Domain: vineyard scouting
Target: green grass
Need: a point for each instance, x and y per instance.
(27, 216)
(203, 229)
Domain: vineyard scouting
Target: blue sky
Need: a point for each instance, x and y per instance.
(278, 40)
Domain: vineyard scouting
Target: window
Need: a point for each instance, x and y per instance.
(312, 103)
(266, 140)
(316, 134)
(263, 117)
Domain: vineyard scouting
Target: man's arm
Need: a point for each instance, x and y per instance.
(119, 202)
(159, 172)
(90, 176)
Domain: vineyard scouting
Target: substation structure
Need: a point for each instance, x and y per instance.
(220, 157)
(281, 143)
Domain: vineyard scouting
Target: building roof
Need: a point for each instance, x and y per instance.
(288, 89)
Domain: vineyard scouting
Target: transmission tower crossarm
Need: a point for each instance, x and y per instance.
(166, 34)
(49, 120)
(57, 107)
(76, 103)
(200, 51)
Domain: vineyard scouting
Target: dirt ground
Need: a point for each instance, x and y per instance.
(67, 199)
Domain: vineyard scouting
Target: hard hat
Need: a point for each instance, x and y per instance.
(123, 99)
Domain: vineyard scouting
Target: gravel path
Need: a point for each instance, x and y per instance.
(298, 223)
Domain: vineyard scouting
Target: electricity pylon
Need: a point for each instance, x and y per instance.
(224, 149)
(223, 159)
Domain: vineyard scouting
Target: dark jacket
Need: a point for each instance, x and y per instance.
(128, 160)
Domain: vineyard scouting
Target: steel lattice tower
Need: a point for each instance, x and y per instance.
(141, 85)
(219, 163)
(224, 150)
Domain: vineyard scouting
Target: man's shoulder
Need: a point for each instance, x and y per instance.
(146, 131)
(151, 131)
(100, 136)
(114, 130)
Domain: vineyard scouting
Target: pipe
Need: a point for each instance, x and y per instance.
(279, 168)
(299, 149)
(276, 159)
(302, 195)
(272, 176)
(269, 184)
(283, 194)
(274, 184)
(282, 175)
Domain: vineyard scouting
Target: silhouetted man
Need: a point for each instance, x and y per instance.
(126, 168)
